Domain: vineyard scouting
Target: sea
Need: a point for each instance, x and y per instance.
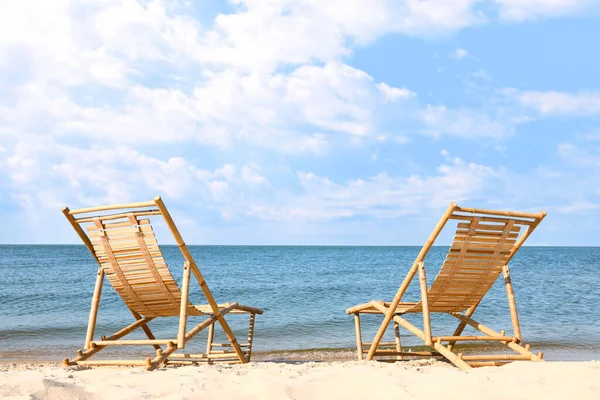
(46, 290)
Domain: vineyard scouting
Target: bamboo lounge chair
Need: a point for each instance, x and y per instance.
(124, 245)
(484, 243)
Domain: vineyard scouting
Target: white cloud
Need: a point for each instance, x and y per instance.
(100, 174)
(335, 97)
(578, 207)
(122, 45)
(250, 175)
(267, 33)
(588, 158)
(558, 103)
(257, 108)
(591, 135)
(482, 74)
(84, 70)
(460, 53)
(463, 122)
(431, 18)
(44, 174)
(393, 93)
(521, 10)
(380, 196)
(95, 41)
(95, 96)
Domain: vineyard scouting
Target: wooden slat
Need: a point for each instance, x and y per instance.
(128, 242)
(150, 263)
(473, 262)
(119, 228)
(462, 252)
(109, 217)
(460, 232)
(474, 244)
(512, 214)
(491, 219)
(488, 227)
(114, 225)
(475, 294)
(121, 277)
(481, 239)
(142, 204)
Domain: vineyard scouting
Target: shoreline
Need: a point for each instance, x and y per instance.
(423, 379)
(553, 354)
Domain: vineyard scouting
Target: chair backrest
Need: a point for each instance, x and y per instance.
(127, 250)
(485, 241)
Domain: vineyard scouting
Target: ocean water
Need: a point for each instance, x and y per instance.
(45, 295)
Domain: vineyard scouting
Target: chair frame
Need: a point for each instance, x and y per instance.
(215, 312)
(464, 362)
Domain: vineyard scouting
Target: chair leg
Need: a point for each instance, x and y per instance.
(398, 342)
(185, 291)
(209, 340)
(514, 316)
(359, 349)
(94, 308)
(450, 356)
(250, 336)
(161, 356)
(425, 304)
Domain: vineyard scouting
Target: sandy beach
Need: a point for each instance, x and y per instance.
(309, 380)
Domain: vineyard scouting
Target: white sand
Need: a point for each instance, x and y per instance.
(338, 380)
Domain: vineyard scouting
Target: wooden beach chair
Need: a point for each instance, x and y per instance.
(121, 239)
(484, 243)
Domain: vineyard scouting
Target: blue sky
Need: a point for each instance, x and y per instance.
(300, 122)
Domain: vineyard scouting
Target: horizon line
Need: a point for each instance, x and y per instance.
(295, 245)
